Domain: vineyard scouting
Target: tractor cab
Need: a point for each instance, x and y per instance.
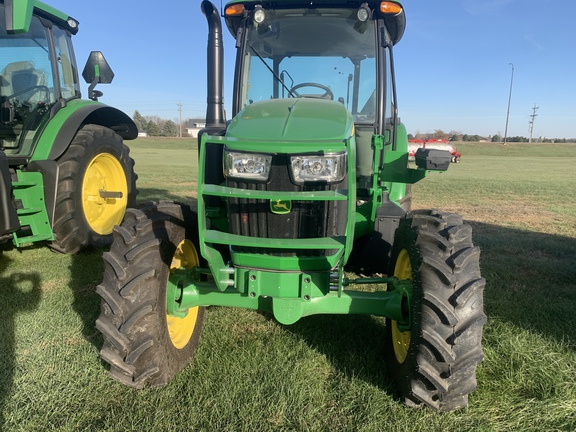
(340, 53)
(38, 76)
(31, 83)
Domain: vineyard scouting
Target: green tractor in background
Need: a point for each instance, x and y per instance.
(309, 178)
(66, 176)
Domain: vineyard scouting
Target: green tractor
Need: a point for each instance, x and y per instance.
(309, 178)
(66, 176)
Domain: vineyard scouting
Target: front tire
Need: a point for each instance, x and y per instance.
(434, 362)
(142, 343)
(96, 184)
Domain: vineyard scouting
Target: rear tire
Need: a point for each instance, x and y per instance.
(434, 363)
(142, 344)
(96, 162)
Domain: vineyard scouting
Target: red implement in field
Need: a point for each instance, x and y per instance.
(438, 144)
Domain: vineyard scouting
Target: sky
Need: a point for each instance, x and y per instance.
(455, 65)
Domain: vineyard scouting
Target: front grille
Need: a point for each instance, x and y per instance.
(307, 219)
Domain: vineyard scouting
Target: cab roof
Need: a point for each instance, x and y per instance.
(19, 20)
(394, 23)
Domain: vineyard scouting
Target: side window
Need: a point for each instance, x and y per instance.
(389, 102)
(66, 66)
(367, 91)
(260, 76)
(25, 66)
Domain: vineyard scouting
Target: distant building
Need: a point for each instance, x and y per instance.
(193, 126)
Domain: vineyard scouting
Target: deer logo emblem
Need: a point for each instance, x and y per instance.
(280, 206)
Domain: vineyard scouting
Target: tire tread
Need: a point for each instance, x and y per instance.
(445, 348)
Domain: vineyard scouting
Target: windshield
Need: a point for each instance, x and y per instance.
(28, 84)
(320, 53)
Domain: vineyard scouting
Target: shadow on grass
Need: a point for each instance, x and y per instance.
(157, 194)
(19, 292)
(85, 274)
(531, 279)
(354, 344)
(531, 283)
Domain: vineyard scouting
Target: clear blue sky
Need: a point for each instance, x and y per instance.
(453, 67)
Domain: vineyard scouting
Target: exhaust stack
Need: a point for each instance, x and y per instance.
(215, 117)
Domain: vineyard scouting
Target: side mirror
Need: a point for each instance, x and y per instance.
(432, 159)
(97, 71)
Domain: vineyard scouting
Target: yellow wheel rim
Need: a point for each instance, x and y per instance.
(181, 329)
(401, 340)
(104, 193)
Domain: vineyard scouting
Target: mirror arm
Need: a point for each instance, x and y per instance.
(91, 89)
(94, 94)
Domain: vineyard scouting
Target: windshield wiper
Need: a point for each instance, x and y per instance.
(272, 72)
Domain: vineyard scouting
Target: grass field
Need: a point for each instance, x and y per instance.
(323, 373)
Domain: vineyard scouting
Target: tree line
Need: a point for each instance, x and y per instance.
(457, 136)
(158, 127)
(155, 126)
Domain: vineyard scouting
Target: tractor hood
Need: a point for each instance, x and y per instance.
(292, 120)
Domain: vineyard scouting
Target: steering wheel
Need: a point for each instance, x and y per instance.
(35, 89)
(326, 95)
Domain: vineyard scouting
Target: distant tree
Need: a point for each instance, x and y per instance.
(410, 136)
(440, 134)
(517, 139)
(140, 121)
(170, 129)
(496, 138)
(158, 121)
(153, 129)
(455, 135)
(471, 138)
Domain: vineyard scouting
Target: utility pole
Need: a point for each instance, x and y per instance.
(179, 105)
(509, 99)
(531, 122)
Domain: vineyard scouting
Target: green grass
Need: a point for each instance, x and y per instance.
(167, 168)
(322, 373)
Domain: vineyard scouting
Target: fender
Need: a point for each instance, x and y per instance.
(62, 128)
(60, 132)
(102, 115)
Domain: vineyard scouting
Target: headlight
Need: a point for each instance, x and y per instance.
(247, 165)
(326, 168)
(259, 15)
